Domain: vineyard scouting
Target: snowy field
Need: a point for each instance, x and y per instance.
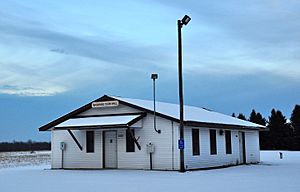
(26, 158)
(272, 174)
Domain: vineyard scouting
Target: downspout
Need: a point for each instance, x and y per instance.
(154, 76)
(172, 145)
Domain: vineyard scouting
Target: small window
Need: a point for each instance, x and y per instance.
(195, 142)
(129, 141)
(228, 142)
(90, 141)
(213, 142)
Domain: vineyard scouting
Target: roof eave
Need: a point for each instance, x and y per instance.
(75, 112)
(88, 106)
(195, 123)
(220, 126)
(92, 127)
(69, 115)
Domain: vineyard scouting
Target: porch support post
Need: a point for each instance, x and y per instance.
(74, 138)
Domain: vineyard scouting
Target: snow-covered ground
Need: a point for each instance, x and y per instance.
(26, 158)
(272, 174)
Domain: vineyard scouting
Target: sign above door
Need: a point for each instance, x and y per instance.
(103, 104)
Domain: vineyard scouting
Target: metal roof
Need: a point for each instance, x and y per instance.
(193, 116)
(99, 122)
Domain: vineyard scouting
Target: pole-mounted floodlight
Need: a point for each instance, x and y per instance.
(154, 76)
(184, 21)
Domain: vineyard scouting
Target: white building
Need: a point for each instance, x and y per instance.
(115, 132)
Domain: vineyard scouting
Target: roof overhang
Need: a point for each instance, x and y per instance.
(100, 122)
(220, 126)
(74, 114)
(191, 123)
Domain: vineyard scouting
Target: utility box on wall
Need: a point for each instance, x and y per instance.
(62, 146)
(150, 148)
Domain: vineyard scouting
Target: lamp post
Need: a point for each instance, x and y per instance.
(154, 76)
(184, 21)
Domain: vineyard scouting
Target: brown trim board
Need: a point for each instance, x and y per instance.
(108, 115)
(218, 125)
(74, 138)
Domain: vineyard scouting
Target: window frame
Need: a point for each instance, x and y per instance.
(213, 142)
(90, 141)
(228, 142)
(196, 142)
(130, 145)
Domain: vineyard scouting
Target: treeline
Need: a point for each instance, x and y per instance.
(282, 134)
(24, 146)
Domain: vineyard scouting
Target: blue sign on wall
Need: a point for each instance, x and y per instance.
(180, 144)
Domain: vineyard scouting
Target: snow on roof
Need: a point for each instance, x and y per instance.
(191, 113)
(98, 121)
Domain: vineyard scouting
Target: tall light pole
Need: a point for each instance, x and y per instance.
(184, 21)
(154, 76)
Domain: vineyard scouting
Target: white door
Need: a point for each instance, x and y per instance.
(242, 147)
(110, 149)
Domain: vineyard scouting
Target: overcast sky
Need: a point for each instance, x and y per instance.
(58, 55)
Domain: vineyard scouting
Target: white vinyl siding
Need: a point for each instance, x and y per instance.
(109, 110)
(73, 156)
(252, 146)
(164, 156)
(206, 160)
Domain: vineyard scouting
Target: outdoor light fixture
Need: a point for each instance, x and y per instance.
(184, 21)
(154, 76)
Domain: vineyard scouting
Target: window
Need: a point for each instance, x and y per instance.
(195, 141)
(90, 142)
(129, 141)
(213, 142)
(228, 142)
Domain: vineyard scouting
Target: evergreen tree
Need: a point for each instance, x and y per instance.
(241, 116)
(280, 132)
(253, 116)
(264, 139)
(257, 118)
(295, 119)
(261, 120)
(295, 122)
(277, 123)
(233, 115)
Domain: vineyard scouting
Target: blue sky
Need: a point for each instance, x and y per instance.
(59, 55)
